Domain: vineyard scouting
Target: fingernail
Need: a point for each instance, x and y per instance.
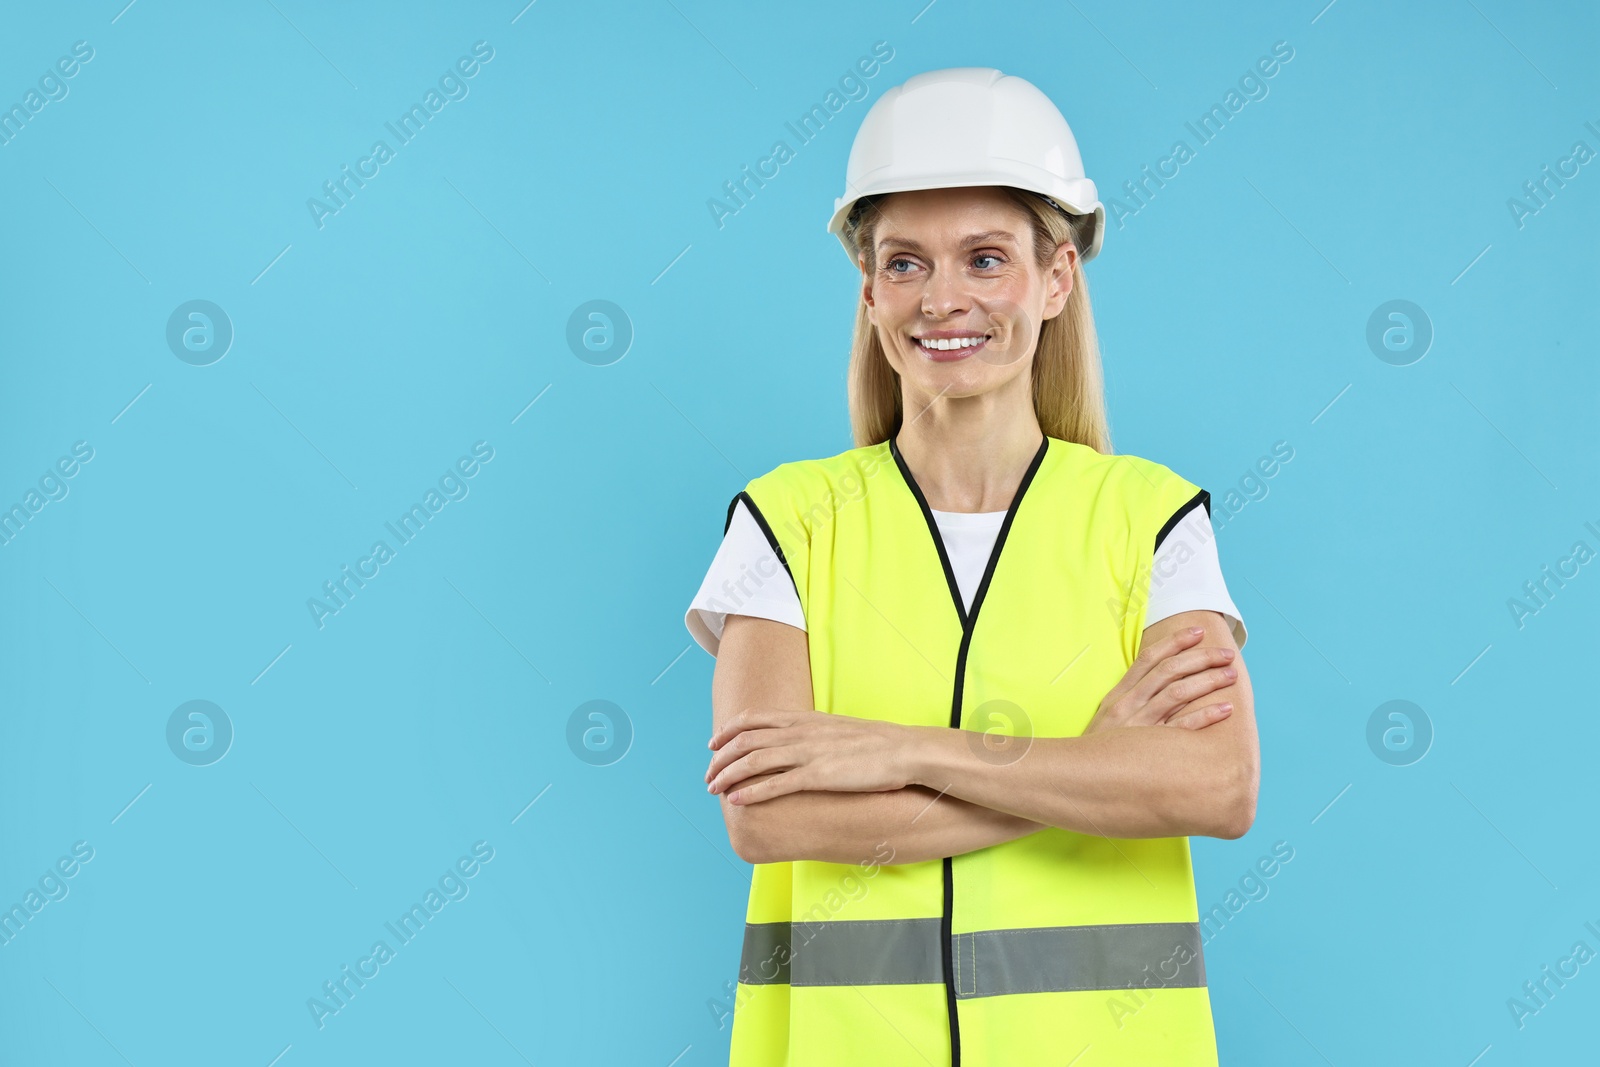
(1196, 630)
(1229, 672)
(1224, 707)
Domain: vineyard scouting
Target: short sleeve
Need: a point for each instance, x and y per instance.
(746, 577)
(1187, 575)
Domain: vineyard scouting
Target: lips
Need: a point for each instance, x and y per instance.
(958, 345)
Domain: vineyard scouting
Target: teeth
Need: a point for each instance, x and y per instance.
(947, 343)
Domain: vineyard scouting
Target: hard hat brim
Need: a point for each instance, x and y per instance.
(1082, 201)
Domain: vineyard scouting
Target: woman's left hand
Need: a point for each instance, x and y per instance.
(812, 750)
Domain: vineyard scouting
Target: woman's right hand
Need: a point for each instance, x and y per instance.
(1164, 677)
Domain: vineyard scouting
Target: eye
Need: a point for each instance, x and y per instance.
(889, 265)
(985, 255)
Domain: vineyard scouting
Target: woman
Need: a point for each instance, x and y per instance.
(970, 838)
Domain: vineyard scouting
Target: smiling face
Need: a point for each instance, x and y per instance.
(956, 294)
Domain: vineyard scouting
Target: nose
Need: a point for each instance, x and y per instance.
(942, 295)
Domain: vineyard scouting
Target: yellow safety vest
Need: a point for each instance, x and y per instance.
(1033, 951)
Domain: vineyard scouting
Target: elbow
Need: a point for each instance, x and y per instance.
(751, 853)
(1237, 808)
(750, 836)
(1237, 821)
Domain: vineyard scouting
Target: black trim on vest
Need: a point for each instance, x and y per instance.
(1200, 498)
(968, 621)
(761, 521)
(947, 943)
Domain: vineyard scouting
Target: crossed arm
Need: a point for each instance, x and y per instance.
(1132, 781)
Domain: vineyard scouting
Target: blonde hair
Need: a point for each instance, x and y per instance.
(1068, 386)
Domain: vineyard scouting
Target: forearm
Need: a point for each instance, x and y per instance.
(916, 822)
(1138, 781)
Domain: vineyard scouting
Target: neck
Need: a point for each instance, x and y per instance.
(965, 458)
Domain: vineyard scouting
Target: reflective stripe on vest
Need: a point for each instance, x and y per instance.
(987, 963)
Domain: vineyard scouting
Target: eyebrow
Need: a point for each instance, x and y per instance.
(986, 237)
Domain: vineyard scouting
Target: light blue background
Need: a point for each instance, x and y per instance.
(426, 315)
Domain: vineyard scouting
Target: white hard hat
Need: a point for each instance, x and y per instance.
(968, 126)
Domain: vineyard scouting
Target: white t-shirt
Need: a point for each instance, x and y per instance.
(747, 578)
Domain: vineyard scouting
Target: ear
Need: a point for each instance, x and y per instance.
(1060, 281)
(866, 286)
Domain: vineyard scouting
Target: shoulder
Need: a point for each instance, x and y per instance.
(800, 491)
(793, 500)
(1133, 474)
(1150, 492)
(840, 467)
